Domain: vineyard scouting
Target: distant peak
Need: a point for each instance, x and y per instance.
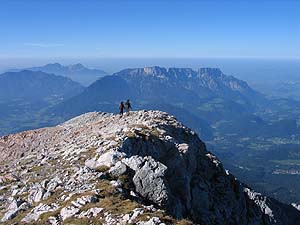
(173, 71)
(76, 66)
(54, 64)
(154, 70)
(210, 70)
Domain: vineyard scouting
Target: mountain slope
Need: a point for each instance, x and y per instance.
(104, 94)
(24, 94)
(205, 82)
(35, 86)
(145, 168)
(76, 72)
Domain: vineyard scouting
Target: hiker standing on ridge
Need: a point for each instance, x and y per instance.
(127, 106)
(121, 108)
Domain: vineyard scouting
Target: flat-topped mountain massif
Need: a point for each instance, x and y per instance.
(142, 168)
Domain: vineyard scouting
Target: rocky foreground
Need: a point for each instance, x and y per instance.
(145, 168)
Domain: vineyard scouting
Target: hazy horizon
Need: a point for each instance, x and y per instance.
(249, 69)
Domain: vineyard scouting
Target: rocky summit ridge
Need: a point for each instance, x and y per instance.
(211, 78)
(142, 168)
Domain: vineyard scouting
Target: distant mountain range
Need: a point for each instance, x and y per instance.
(182, 84)
(203, 95)
(76, 72)
(31, 86)
(156, 84)
(24, 94)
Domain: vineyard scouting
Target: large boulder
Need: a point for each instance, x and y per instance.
(149, 180)
(107, 159)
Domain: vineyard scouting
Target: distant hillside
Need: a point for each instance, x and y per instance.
(38, 85)
(24, 94)
(103, 95)
(76, 72)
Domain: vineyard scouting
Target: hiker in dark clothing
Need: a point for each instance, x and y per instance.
(121, 108)
(127, 106)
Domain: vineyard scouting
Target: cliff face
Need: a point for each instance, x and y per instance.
(142, 168)
(203, 82)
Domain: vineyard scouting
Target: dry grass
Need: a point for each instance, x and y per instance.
(4, 191)
(102, 168)
(117, 205)
(184, 222)
(35, 169)
(43, 219)
(35, 179)
(163, 217)
(106, 189)
(130, 134)
(140, 125)
(112, 202)
(146, 215)
(83, 221)
(91, 153)
(54, 198)
(23, 195)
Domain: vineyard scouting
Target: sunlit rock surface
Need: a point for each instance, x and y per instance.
(141, 168)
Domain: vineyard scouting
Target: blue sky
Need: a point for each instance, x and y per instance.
(116, 29)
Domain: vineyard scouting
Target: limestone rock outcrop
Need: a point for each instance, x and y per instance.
(142, 168)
